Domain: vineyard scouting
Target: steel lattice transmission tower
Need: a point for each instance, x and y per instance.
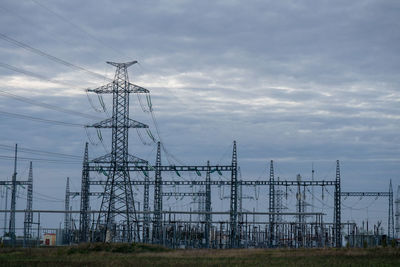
(158, 205)
(28, 220)
(11, 226)
(117, 206)
(85, 188)
(391, 217)
(146, 209)
(67, 215)
(397, 202)
(271, 204)
(337, 208)
(208, 219)
(234, 238)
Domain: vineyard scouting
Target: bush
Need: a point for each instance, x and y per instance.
(384, 243)
(115, 248)
(365, 244)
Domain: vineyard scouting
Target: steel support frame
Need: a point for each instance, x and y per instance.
(337, 208)
(28, 218)
(233, 201)
(84, 218)
(67, 216)
(157, 226)
(391, 213)
(271, 204)
(11, 228)
(208, 207)
(228, 183)
(388, 194)
(146, 208)
(118, 194)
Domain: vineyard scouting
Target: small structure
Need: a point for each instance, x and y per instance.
(49, 239)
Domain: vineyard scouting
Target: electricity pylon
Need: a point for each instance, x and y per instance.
(28, 220)
(117, 207)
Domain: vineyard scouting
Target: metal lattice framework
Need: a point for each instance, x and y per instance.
(227, 183)
(11, 228)
(391, 211)
(146, 208)
(388, 194)
(157, 198)
(28, 219)
(118, 195)
(337, 208)
(271, 207)
(85, 189)
(398, 212)
(234, 238)
(67, 216)
(117, 217)
(208, 206)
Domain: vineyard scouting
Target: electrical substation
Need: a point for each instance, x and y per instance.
(110, 209)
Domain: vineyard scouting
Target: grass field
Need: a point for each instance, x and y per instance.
(145, 255)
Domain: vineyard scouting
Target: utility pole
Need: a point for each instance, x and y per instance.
(13, 200)
(118, 201)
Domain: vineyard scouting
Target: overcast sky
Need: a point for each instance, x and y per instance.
(298, 82)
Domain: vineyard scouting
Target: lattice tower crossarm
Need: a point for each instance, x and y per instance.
(118, 194)
(285, 183)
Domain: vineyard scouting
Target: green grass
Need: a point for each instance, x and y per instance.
(150, 255)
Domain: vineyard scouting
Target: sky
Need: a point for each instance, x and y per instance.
(303, 83)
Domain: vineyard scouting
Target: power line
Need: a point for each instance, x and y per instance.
(26, 117)
(29, 73)
(48, 106)
(36, 151)
(51, 57)
(40, 159)
(37, 103)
